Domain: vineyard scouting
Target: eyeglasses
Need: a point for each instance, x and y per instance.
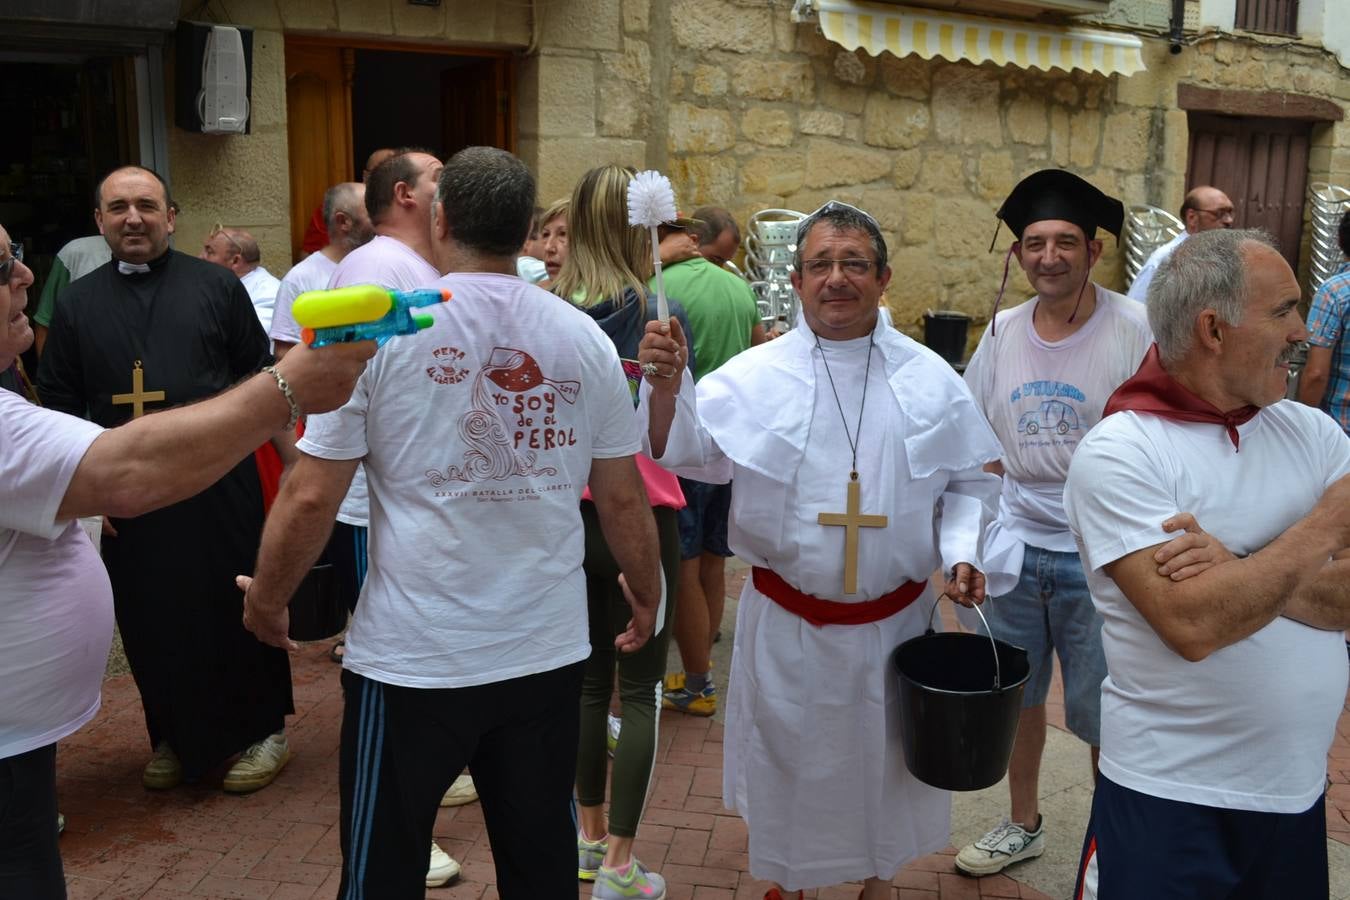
(15, 255)
(222, 231)
(819, 268)
(1223, 212)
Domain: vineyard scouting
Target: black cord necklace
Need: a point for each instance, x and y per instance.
(856, 436)
(852, 518)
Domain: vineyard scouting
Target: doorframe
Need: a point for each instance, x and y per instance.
(510, 60)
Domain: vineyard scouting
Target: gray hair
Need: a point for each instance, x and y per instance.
(1206, 271)
(843, 217)
(338, 198)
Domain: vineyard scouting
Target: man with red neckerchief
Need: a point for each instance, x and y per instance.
(1225, 670)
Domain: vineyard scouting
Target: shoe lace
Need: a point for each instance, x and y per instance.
(991, 840)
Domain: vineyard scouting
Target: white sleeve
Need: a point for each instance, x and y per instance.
(1139, 287)
(39, 452)
(609, 406)
(691, 451)
(969, 504)
(1337, 445)
(340, 434)
(975, 377)
(1114, 497)
(284, 326)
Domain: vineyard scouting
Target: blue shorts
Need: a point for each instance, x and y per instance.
(703, 521)
(1138, 845)
(1051, 610)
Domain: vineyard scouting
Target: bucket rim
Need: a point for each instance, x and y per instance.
(985, 692)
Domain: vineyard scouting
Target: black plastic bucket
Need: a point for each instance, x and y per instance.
(317, 610)
(960, 698)
(944, 332)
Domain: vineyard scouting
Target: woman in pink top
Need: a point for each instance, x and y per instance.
(606, 271)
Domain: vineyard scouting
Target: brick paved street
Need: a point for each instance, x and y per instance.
(123, 841)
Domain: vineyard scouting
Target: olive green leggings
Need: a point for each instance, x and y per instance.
(640, 676)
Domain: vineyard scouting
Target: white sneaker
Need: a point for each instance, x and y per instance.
(461, 792)
(258, 765)
(1000, 848)
(443, 869)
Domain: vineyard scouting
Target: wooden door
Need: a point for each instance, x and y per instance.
(318, 126)
(476, 106)
(1261, 164)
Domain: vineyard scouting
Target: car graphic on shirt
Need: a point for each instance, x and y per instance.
(1052, 415)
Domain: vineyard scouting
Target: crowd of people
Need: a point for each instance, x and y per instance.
(1117, 480)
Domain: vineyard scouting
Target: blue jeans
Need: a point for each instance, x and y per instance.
(1051, 610)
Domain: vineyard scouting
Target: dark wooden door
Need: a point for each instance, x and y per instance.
(476, 106)
(1261, 164)
(318, 125)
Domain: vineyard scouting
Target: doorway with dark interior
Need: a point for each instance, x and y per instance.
(356, 97)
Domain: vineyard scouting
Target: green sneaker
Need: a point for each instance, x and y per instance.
(590, 856)
(634, 881)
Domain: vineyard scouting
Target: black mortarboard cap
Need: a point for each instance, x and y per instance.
(1057, 194)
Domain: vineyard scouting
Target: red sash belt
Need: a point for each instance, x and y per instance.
(831, 612)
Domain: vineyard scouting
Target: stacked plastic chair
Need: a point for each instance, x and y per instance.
(770, 240)
(1327, 203)
(1146, 229)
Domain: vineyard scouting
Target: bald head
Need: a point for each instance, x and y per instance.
(1205, 208)
(373, 161)
(233, 248)
(134, 213)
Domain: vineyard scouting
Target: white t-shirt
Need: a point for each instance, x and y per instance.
(262, 290)
(1042, 397)
(56, 612)
(1248, 727)
(391, 264)
(531, 269)
(309, 274)
(478, 435)
(1139, 287)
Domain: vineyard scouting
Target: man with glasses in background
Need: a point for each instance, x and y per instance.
(237, 250)
(1202, 209)
(841, 439)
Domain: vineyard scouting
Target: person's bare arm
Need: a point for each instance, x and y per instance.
(279, 348)
(758, 335)
(294, 536)
(630, 531)
(168, 456)
(1312, 380)
(1196, 615)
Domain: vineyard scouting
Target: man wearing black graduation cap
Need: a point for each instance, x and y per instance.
(1042, 374)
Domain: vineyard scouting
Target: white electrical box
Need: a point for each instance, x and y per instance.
(222, 103)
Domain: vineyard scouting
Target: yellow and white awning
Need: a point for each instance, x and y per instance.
(903, 30)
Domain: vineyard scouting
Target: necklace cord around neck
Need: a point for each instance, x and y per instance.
(855, 438)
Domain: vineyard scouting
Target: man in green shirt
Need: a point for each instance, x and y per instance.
(725, 320)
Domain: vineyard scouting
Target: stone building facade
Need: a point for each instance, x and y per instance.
(743, 107)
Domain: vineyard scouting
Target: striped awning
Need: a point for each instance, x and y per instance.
(904, 30)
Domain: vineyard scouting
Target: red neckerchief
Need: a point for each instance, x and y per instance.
(1152, 390)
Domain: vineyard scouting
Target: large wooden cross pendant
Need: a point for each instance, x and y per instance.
(852, 520)
(138, 396)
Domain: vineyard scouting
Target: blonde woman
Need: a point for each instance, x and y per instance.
(553, 239)
(607, 267)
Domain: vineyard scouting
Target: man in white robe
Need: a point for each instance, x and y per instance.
(812, 754)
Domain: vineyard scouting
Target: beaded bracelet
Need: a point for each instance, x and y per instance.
(286, 392)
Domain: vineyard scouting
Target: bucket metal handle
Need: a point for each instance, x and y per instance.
(998, 675)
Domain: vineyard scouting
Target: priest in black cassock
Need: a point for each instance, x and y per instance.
(151, 329)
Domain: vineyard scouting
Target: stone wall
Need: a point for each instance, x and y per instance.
(244, 180)
(771, 114)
